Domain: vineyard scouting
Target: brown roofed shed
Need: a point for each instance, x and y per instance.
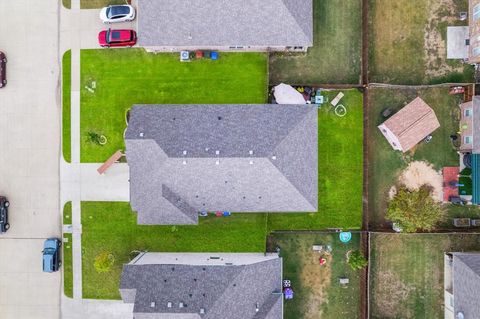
(410, 125)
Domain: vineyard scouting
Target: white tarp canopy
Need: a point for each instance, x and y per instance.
(286, 94)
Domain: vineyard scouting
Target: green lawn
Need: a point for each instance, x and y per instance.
(66, 91)
(336, 54)
(406, 274)
(112, 226)
(67, 265)
(67, 213)
(408, 42)
(132, 76)
(340, 167)
(385, 164)
(318, 293)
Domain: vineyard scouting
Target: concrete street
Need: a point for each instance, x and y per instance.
(29, 152)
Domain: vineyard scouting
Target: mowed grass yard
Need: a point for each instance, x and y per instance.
(132, 76)
(408, 41)
(384, 163)
(336, 53)
(112, 226)
(318, 293)
(406, 272)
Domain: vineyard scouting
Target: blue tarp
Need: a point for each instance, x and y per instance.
(476, 179)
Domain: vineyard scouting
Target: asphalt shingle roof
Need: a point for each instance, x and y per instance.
(243, 158)
(466, 284)
(232, 291)
(225, 23)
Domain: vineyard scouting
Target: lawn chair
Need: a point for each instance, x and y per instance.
(344, 281)
(337, 99)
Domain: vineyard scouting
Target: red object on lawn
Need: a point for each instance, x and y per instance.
(199, 54)
(322, 261)
(457, 90)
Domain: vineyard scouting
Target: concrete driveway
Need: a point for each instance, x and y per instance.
(29, 152)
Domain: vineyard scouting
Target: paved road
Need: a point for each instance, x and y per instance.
(29, 152)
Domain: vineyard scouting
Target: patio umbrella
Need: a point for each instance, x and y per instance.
(286, 94)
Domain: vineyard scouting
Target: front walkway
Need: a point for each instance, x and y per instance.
(81, 182)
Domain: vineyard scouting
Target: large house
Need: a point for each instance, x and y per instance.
(462, 285)
(410, 125)
(186, 159)
(474, 30)
(249, 25)
(204, 286)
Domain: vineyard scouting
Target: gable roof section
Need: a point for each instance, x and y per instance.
(466, 283)
(225, 23)
(413, 123)
(219, 290)
(475, 103)
(243, 158)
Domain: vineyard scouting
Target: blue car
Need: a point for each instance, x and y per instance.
(51, 255)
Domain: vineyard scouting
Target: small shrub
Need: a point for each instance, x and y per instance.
(467, 171)
(104, 262)
(356, 260)
(96, 138)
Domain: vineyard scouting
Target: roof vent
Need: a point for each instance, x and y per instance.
(251, 162)
(152, 304)
(202, 311)
(184, 162)
(274, 157)
(257, 307)
(459, 315)
(184, 152)
(217, 152)
(217, 162)
(141, 134)
(169, 304)
(180, 305)
(250, 152)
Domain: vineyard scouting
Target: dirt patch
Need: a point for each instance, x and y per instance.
(419, 173)
(389, 293)
(317, 279)
(441, 13)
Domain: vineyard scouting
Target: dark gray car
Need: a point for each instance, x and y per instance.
(4, 204)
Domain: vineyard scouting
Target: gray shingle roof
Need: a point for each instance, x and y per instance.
(218, 289)
(225, 23)
(466, 284)
(476, 124)
(243, 158)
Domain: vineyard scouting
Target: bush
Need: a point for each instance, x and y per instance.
(466, 171)
(415, 210)
(104, 262)
(466, 189)
(356, 260)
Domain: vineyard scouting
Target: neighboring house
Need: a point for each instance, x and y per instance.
(186, 159)
(204, 286)
(470, 126)
(410, 125)
(225, 25)
(462, 285)
(474, 26)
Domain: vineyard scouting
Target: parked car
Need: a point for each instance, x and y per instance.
(4, 204)
(117, 38)
(117, 13)
(3, 69)
(51, 255)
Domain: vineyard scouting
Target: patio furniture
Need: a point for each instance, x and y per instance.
(461, 222)
(337, 99)
(475, 222)
(344, 281)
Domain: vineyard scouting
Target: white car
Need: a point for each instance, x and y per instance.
(118, 13)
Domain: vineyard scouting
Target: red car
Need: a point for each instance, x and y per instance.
(117, 38)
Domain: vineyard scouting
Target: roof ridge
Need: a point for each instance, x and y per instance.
(229, 284)
(295, 19)
(181, 205)
(306, 115)
(429, 111)
(459, 256)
